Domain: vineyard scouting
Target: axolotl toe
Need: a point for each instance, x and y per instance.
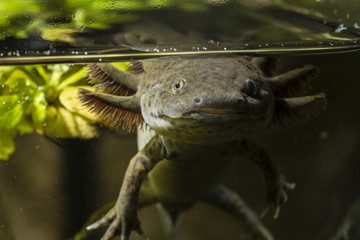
(199, 114)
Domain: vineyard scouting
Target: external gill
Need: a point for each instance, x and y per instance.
(294, 82)
(114, 111)
(110, 79)
(287, 89)
(115, 101)
(299, 108)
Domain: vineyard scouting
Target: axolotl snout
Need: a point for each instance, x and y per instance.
(200, 113)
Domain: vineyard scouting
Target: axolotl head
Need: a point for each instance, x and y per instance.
(204, 99)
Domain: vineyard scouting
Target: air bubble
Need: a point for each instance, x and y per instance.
(340, 28)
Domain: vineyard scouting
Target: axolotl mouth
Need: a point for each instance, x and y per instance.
(217, 114)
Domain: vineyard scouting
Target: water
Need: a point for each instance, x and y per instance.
(247, 27)
(48, 188)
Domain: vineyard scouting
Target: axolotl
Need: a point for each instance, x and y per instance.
(199, 114)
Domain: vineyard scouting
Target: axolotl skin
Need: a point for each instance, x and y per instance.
(201, 112)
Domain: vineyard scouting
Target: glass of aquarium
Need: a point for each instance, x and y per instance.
(169, 119)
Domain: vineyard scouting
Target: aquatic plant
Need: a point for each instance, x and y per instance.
(42, 99)
(47, 18)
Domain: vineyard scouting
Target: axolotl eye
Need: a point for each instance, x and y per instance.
(178, 85)
(251, 87)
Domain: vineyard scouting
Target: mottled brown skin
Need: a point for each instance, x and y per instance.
(202, 113)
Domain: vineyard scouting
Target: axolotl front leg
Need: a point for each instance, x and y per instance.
(123, 216)
(277, 187)
(225, 199)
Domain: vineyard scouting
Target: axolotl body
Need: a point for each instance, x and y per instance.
(201, 112)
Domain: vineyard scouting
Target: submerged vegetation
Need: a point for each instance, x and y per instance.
(43, 98)
(45, 18)
(53, 20)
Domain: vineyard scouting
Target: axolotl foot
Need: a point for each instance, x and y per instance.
(121, 221)
(277, 195)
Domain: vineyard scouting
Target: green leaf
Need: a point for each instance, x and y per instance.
(39, 110)
(56, 75)
(64, 124)
(72, 79)
(43, 73)
(11, 111)
(19, 82)
(122, 66)
(24, 127)
(69, 98)
(5, 71)
(7, 146)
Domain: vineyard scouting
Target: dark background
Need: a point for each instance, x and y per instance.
(48, 190)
